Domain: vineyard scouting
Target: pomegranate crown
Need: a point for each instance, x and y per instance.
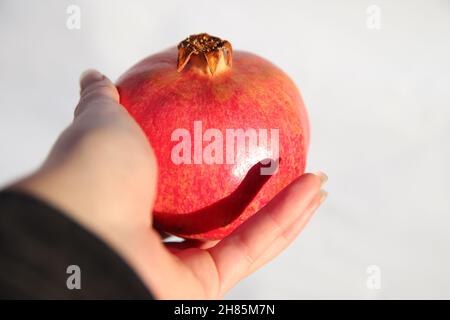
(213, 50)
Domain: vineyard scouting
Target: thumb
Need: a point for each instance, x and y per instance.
(96, 91)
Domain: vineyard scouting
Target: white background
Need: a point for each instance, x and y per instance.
(378, 102)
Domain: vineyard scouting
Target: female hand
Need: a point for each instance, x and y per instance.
(102, 173)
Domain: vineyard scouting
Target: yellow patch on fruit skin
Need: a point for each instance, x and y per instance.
(166, 79)
(222, 90)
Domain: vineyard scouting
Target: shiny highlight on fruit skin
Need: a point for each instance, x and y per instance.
(208, 201)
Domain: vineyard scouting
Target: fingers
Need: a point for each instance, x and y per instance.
(175, 247)
(96, 88)
(99, 111)
(289, 235)
(237, 253)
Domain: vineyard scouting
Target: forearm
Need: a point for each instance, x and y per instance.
(38, 245)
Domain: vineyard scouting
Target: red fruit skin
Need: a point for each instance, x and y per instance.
(209, 201)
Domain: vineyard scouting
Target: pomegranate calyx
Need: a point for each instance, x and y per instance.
(207, 53)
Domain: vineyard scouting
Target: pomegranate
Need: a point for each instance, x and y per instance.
(187, 100)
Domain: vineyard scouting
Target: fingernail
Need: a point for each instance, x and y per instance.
(322, 176)
(323, 196)
(88, 77)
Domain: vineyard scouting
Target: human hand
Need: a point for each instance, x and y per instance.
(102, 173)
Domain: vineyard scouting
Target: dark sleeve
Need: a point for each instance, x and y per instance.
(43, 253)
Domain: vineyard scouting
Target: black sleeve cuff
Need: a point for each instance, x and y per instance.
(38, 244)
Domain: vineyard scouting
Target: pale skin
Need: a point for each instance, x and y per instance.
(102, 173)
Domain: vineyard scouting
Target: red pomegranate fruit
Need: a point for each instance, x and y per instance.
(216, 119)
